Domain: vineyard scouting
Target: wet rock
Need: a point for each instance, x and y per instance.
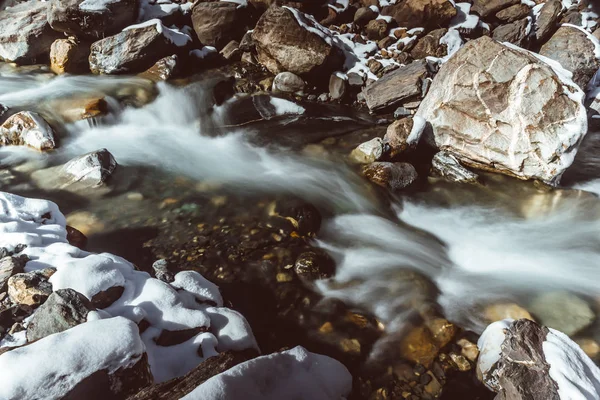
(162, 70)
(363, 16)
(64, 309)
(480, 124)
(92, 18)
(303, 217)
(429, 45)
(283, 44)
(27, 128)
(367, 152)
(469, 350)
(376, 29)
(135, 49)
(76, 238)
(337, 86)
(106, 297)
(513, 13)
(447, 166)
(69, 56)
(161, 271)
(589, 346)
(286, 82)
(401, 136)
(76, 109)
(563, 311)
(231, 52)
(419, 346)
(575, 51)
(91, 169)
(499, 311)
(31, 288)
(10, 266)
(515, 33)
(430, 14)
(85, 222)
(485, 8)
(397, 86)
(312, 266)
(26, 36)
(547, 20)
(394, 176)
(218, 23)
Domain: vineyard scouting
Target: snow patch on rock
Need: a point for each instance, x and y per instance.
(174, 35)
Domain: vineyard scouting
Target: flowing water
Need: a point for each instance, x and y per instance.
(505, 241)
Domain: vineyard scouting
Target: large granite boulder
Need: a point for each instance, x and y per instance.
(218, 23)
(429, 14)
(287, 40)
(25, 35)
(92, 18)
(576, 51)
(500, 108)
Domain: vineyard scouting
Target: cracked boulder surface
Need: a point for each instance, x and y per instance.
(501, 109)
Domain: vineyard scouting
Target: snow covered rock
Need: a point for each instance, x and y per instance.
(25, 35)
(576, 50)
(69, 56)
(295, 373)
(547, 20)
(100, 359)
(92, 18)
(27, 128)
(218, 23)
(64, 309)
(502, 109)
(393, 176)
(403, 84)
(429, 14)
(447, 166)
(523, 360)
(136, 48)
(402, 135)
(287, 40)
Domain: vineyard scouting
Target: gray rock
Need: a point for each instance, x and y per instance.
(287, 82)
(218, 23)
(161, 271)
(283, 44)
(574, 50)
(397, 86)
(515, 33)
(26, 36)
(482, 124)
(401, 112)
(337, 86)
(447, 166)
(485, 8)
(10, 266)
(429, 14)
(513, 13)
(92, 18)
(562, 311)
(27, 128)
(356, 79)
(547, 20)
(393, 176)
(64, 309)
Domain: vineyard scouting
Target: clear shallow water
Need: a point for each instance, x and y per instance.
(464, 246)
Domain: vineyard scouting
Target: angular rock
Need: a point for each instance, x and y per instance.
(312, 266)
(30, 289)
(231, 52)
(69, 56)
(513, 114)
(563, 311)
(107, 297)
(64, 309)
(515, 33)
(485, 8)
(27, 128)
(136, 48)
(429, 14)
(393, 176)
(513, 13)
(286, 82)
(92, 18)
(376, 29)
(162, 70)
(447, 166)
(10, 266)
(283, 44)
(26, 36)
(363, 16)
(402, 135)
(429, 45)
(337, 86)
(218, 23)
(367, 152)
(575, 51)
(397, 86)
(547, 20)
(75, 108)
(161, 271)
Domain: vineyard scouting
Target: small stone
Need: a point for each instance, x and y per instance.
(363, 16)
(162, 70)
(367, 152)
(91, 169)
(434, 387)
(29, 129)
(311, 266)
(284, 277)
(31, 288)
(386, 42)
(249, 58)
(419, 346)
(337, 86)
(515, 32)
(401, 112)
(106, 297)
(396, 139)
(547, 19)
(429, 45)
(500, 311)
(161, 271)
(563, 311)
(589, 346)
(356, 79)
(10, 266)
(267, 83)
(394, 176)
(247, 43)
(350, 346)
(469, 349)
(287, 82)
(232, 52)
(447, 166)
(461, 362)
(135, 196)
(443, 331)
(376, 29)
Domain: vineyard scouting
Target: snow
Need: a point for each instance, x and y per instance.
(96, 5)
(151, 9)
(463, 19)
(240, 3)
(309, 23)
(416, 131)
(339, 5)
(529, 3)
(52, 366)
(283, 107)
(489, 347)
(295, 373)
(173, 35)
(191, 302)
(577, 377)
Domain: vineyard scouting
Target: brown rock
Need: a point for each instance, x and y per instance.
(337, 86)
(363, 16)
(515, 33)
(376, 29)
(547, 20)
(10, 266)
(76, 238)
(419, 346)
(442, 330)
(218, 23)
(30, 289)
(69, 56)
(461, 362)
(397, 86)
(394, 176)
(485, 8)
(429, 45)
(76, 109)
(172, 338)
(312, 266)
(28, 129)
(162, 70)
(500, 311)
(231, 52)
(468, 349)
(430, 14)
(107, 297)
(513, 13)
(396, 135)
